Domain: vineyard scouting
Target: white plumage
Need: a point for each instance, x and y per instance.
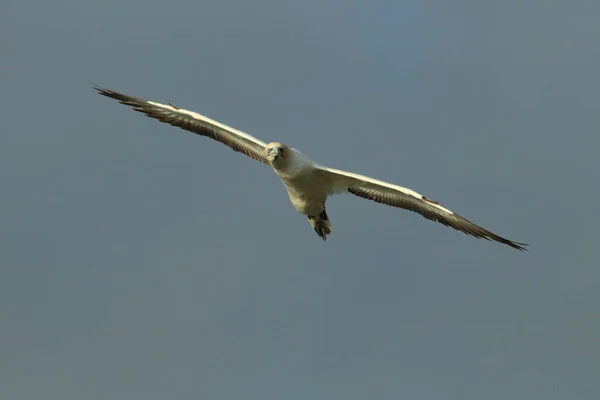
(308, 184)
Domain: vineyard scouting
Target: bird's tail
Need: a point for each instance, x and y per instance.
(321, 224)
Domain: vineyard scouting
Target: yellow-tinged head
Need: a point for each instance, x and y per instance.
(276, 152)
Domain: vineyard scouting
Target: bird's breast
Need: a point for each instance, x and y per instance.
(306, 194)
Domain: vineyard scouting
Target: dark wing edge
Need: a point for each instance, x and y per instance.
(427, 208)
(181, 119)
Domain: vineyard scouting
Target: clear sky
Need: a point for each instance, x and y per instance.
(139, 261)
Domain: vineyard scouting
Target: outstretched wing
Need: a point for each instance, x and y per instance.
(193, 122)
(386, 193)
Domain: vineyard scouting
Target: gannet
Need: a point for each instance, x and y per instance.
(308, 184)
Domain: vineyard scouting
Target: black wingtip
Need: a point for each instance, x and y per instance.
(96, 87)
(101, 90)
(122, 98)
(515, 245)
(519, 246)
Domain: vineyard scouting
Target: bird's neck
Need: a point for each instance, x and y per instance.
(295, 163)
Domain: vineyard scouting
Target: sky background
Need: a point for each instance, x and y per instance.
(139, 261)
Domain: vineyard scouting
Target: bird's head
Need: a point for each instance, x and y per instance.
(276, 152)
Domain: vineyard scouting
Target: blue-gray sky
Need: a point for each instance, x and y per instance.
(139, 261)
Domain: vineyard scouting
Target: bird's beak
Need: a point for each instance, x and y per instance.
(275, 153)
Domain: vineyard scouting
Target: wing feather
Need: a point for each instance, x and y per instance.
(237, 140)
(396, 196)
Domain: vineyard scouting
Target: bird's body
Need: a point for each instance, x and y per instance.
(308, 184)
(306, 188)
(299, 178)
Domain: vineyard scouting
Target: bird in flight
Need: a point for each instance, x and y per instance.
(308, 184)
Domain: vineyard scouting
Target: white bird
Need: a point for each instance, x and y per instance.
(308, 184)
